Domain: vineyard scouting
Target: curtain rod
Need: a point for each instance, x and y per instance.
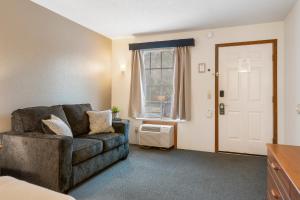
(162, 44)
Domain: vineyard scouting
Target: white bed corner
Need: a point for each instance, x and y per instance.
(14, 189)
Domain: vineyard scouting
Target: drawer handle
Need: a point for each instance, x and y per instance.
(274, 194)
(275, 167)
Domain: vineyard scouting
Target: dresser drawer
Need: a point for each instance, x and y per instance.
(278, 172)
(283, 173)
(282, 191)
(273, 192)
(295, 194)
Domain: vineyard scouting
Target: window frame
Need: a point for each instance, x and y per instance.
(161, 67)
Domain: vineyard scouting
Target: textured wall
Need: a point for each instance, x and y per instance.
(292, 34)
(46, 59)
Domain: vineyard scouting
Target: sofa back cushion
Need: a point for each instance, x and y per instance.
(78, 118)
(30, 119)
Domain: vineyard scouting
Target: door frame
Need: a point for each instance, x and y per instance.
(275, 95)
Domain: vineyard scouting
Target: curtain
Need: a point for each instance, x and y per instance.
(181, 105)
(136, 87)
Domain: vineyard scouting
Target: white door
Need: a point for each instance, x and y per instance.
(246, 77)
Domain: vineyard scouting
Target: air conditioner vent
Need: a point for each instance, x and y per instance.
(156, 135)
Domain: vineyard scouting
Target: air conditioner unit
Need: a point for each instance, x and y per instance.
(156, 135)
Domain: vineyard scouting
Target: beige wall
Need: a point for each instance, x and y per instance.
(198, 134)
(46, 59)
(292, 32)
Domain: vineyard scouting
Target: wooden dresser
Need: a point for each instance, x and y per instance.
(283, 172)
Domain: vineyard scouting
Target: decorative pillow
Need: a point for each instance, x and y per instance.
(46, 129)
(58, 126)
(100, 121)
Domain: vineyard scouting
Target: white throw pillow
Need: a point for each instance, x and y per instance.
(58, 126)
(100, 121)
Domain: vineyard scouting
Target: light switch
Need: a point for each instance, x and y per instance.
(209, 95)
(209, 113)
(201, 68)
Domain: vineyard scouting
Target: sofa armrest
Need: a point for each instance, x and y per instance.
(41, 159)
(121, 127)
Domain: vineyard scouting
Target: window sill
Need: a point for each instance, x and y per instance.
(161, 120)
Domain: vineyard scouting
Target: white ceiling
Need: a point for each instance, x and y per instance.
(122, 18)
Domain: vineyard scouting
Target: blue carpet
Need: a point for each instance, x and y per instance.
(178, 175)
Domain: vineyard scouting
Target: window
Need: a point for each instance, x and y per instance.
(158, 75)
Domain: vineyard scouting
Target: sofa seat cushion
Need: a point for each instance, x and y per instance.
(84, 149)
(110, 140)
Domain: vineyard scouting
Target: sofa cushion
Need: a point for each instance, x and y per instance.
(110, 140)
(100, 121)
(88, 168)
(30, 119)
(57, 126)
(77, 117)
(84, 149)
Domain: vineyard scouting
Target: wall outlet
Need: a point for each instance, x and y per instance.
(136, 130)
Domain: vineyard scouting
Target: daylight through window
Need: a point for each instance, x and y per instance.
(157, 78)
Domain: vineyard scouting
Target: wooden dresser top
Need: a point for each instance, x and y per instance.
(289, 159)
